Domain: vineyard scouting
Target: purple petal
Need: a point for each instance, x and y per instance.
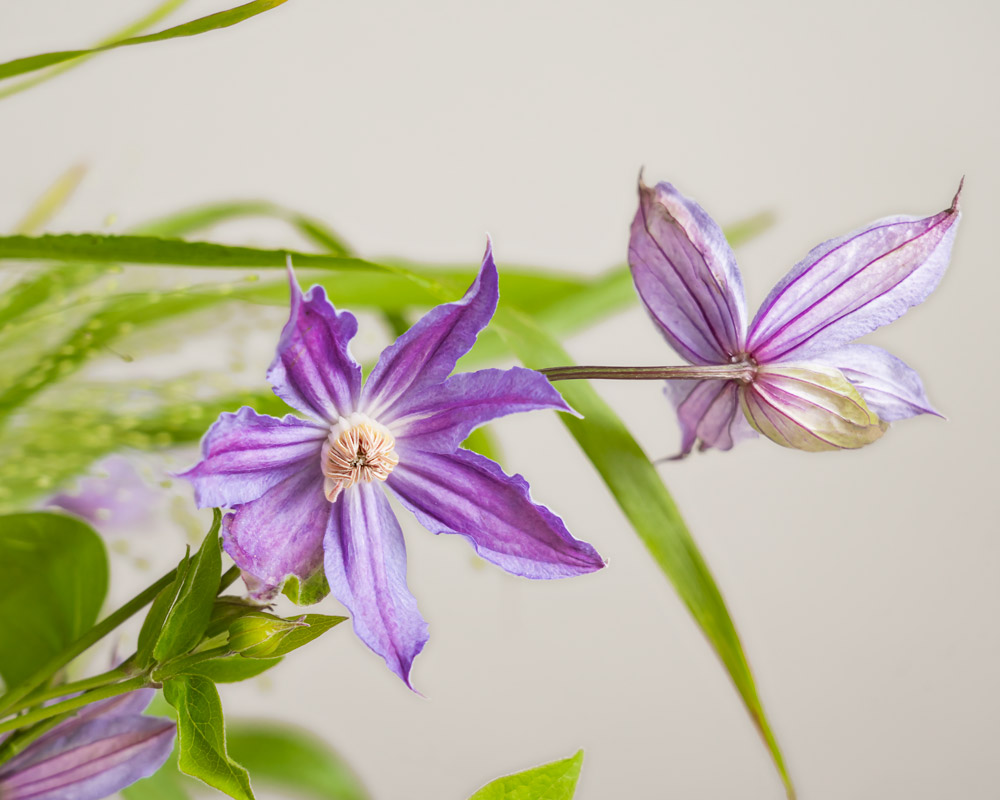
(890, 388)
(809, 407)
(850, 286)
(426, 354)
(686, 274)
(92, 761)
(366, 567)
(246, 454)
(314, 370)
(281, 533)
(470, 495)
(117, 501)
(709, 414)
(439, 418)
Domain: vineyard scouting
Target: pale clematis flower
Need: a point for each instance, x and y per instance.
(792, 375)
(104, 748)
(309, 495)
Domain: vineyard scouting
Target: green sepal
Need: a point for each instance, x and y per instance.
(231, 668)
(307, 592)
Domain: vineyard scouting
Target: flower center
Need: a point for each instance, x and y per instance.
(357, 449)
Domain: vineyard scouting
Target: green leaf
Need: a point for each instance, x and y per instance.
(223, 19)
(293, 760)
(231, 668)
(640, 493)
(152, 625)
(190, 614)
(201, 736)
(54, 576)
(262, 635)
(51, 201)
(555, 781)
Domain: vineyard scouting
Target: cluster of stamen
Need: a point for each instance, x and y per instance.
(357, 449)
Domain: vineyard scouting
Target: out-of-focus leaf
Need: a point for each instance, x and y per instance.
(293, 761)
(167, 783)
(223, 19)
(201, 736)
(189, 616)
(132, 29)
(483, 442)
(555, 781)
(640, 493)
(53, 199)
(53, 578)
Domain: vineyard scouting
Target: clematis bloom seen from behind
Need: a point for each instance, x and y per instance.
(793, 374)
(309, 495)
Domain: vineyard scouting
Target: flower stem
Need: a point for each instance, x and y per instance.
(739, 371)
(95, 682)
(45, 712)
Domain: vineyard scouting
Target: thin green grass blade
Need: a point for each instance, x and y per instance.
(51, 201)
(132, 29)
(641, 494)
(223, 19)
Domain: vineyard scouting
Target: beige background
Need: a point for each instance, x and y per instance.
(864, 584)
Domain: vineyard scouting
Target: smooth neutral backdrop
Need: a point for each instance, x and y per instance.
(864, 583)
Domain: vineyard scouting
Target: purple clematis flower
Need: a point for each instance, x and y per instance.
(793, 373)
(309, 494)
(107, 746)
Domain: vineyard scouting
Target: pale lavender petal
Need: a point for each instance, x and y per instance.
(709, 414)
(91, 761)
(850, 286)
(439, 418)
(314, 370)
(366, 568)
(890, 388)
(114, 499)
(245, 454)
(686, 274)
(426, 354)
(281, 533)
(467, 494)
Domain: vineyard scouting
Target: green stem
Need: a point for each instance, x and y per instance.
(20, 740)
(739, 371)
(104, 679)
(46, 712)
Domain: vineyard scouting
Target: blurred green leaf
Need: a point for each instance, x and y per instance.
(201, 736)
(167, 783)
(223, 19)
(152, 625)
(293, 761)
(640, 493)
(53, 199)
(483, 442)
(189, 616)
(555, 781)
(132, 29)
(53, 579)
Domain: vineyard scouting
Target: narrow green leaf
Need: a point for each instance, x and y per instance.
(223, 19)
(231, 668)
(189, 617)
(54, 576)
(53, 199)
(132, 29)
(640, 493)
(152, 625)
(555, 781)
(201, 736)
(293, 761)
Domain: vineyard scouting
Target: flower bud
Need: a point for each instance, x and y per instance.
(809, 407)
(260, 635)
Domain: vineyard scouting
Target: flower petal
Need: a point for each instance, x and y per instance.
(440, 418)
(281, 533)
(850, 286)
(686, 274)
(426, 354)
(92, 761)
(314, 370)
(467, 494)
(809, 407)
(890, 388)
(366, 566)
(245, 454)
(709, 414)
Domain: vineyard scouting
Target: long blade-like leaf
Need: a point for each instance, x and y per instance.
(223, 19)
(640, 493)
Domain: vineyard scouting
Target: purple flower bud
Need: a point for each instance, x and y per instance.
(106, 747)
